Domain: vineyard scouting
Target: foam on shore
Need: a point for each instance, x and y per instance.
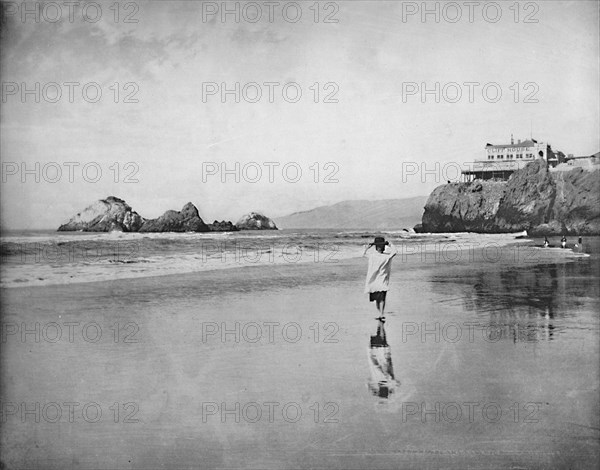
(148, 255)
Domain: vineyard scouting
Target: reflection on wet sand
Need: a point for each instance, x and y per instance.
(382, 382)
(520, 304)
(530, 303)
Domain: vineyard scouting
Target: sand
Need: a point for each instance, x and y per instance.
(176, 392)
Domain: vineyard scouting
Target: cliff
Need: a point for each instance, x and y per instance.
(459, 207)
(105, 215)
(533, 199)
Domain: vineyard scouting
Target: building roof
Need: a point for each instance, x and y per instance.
(525, 143)
(596, 155)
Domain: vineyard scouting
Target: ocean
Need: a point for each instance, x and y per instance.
(35, 258)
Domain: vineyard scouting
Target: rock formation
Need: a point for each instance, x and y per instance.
(528, 199)
(533, 199)
(105, 215)
(188, 220)
(577, 201)
(113, 214)
(459, 207)
(255, 221)
(223, 226)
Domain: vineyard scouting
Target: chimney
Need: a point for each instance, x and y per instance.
(512, 141)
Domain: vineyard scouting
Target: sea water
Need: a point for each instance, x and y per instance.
(34, 258)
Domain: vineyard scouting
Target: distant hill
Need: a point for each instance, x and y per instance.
(383, 214)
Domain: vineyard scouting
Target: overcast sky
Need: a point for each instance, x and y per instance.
(371, 58)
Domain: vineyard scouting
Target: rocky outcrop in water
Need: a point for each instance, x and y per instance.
(255, 221)
(459, 207)
(223, 226)
(113, 214)
(533, 199)
(105, 215)
(187, 220)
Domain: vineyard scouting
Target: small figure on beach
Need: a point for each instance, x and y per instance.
(378, 272)
(382, 382)
(546, 242)
(578, 246)
(563, 242)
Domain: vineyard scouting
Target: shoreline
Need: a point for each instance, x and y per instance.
(258, 252)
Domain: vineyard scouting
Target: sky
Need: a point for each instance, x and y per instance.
(161, 131)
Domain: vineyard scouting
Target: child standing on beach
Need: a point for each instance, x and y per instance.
(378, 272)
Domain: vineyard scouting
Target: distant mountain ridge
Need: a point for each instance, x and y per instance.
(382, 214)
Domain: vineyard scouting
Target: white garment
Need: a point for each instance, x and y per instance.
(379, 270)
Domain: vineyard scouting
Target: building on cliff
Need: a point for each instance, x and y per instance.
(501, 161)
(587, 162)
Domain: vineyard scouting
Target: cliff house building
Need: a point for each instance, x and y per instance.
(501, 161)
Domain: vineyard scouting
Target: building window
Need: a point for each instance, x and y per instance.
(500, 157)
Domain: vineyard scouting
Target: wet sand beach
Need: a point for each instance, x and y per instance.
(268, 367)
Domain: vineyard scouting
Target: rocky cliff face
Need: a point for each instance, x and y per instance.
(528, 199)
(105, 215)
(577, 201)
(187, 220)
(533, 199)
(255, 221)
(458, 207)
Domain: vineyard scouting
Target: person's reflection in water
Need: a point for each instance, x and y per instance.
(382, 382)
